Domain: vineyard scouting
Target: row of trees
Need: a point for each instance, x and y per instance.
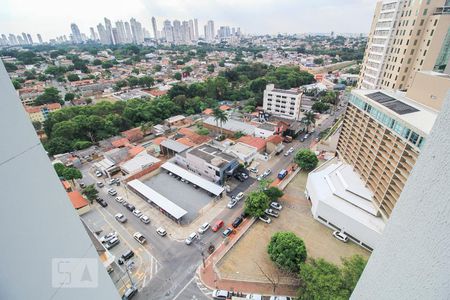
(318, 278)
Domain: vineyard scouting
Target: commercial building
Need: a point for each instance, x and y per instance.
(282, 103)
(405, 37)
(208, 161)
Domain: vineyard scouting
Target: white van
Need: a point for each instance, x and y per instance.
(191, 238)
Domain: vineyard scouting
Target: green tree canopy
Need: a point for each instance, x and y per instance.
(90, 192)
(72, 174)
(59, 168)
(287, 251)
(320, 106)
(256, 203)
(50, 95)
(274, 193)
(306, 159)
(69, 97)
(177, 76)
(73, 77)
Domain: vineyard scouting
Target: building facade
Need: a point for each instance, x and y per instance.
(40, 113)
(282, 103)
(405, 37)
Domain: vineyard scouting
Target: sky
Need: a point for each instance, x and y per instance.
(52, 18)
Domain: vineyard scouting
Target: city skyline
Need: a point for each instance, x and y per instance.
(20, 16)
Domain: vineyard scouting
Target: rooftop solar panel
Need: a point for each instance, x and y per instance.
(393, 104)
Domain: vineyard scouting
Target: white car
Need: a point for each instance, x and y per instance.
(291, 150)
(220, 294)
(271, 212)
(287, 153)
(145, 219)
(239, 196)
(265, 219)
(232, 203)
(112, 192)
(161, 231)
(276, 205)
(139, 237)
(340, 236)
(253, 170)
(254, 297)
(137, 213)
(267, 173)
(260, 177)
(119, 199)
(98, 174)
(121, 218)
(191, 238)
(203, 228)
(108, 237)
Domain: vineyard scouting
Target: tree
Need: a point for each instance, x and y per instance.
(287, 251)
(37, 125)
(320, 279)
(306, 159)
(309, 119)
(210, 68)
(72, 174)
(202, 131)
(320, 106)
(107, 64)
(177, 76)
(69, 97)
(220, 117)
(50, 95)
(256, 203)
(146, 81)
(10, 67)
(90, 192)
(238, 134)
(73, 77)
(147, 127)
(318, 61)
(59, 168)
(97, 62)
(352, 269)
(274, 193)
(273, 277)
(157, 68)
(16, 84)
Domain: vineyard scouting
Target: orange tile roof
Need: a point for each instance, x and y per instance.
(159, 140)
(224, 107)
(276, 139)
(133, 134)
(77, 199)
(66, 185)
(193, 136)
(156, 93)
(35, 109)
(186, 141)
(256, 142)
(120, 142)
(208, 111)
(135, 150)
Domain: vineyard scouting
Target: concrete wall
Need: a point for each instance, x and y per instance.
(48, 226)
(429, 89)
(412, 260)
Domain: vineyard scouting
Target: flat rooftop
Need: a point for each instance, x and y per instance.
(406, 110)
(290, 92)
(209, 153)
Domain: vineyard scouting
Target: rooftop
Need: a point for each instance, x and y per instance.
(174, 145)
(77, 199)
(138, 163)
(256, 142)
(233, 125)
(211, 155)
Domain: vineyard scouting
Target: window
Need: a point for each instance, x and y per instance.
(425, 11)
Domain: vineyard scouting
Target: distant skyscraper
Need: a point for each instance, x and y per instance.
(25, 38)
(76, 34)
(137, 31)
(155, 29)
(30, 39)
(128, 34)
(209, 31)
(121, 32)
(108, 30)
(176, 31)
(168, 31)
(21, 40)
(102, 34)
(195, 29)
(93, 36)
(40, 38)
(12, 39)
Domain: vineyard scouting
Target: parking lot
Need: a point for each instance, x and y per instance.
(181, 193)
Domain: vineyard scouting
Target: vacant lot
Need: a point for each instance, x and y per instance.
(182, 194)
(249, 256)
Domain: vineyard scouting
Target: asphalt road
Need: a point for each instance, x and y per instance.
(176, 263)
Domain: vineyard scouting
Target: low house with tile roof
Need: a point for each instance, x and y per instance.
(80, 204)
(256, 142)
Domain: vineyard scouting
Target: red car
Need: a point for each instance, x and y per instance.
(217, 225)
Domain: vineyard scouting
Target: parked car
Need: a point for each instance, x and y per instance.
(282, 174)
(271, 212)
(227, 232)
(260, 177)
(217, 225)
(113, 181)
(112, 192)
(239, 177)
(82, 185)
(144, 219)
(121, 218)
(280, 298)
(98, 173)
(265, 219)
(204, 228)
(130, 207)
(137, 213)
(237, 222)
(139, 237)
(276, 205)
(119, 199)
(340, 236)
(287, 153)
(191, 238)
(161, 231)
(101, 202)
(267, 173)
(253, 170)
(239, 196)
(220, 294)
(232, 203)
(108, 237)
(112, 243)
(244, 175)
(291, 150)
(126, 256)
(306, 136)
(253, 297)
(100, 184)
(129, 293)
(125, 203)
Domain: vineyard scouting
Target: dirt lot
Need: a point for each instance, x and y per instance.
(244, 261)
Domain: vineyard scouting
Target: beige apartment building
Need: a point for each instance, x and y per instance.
(383, 132)
(406, 36)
